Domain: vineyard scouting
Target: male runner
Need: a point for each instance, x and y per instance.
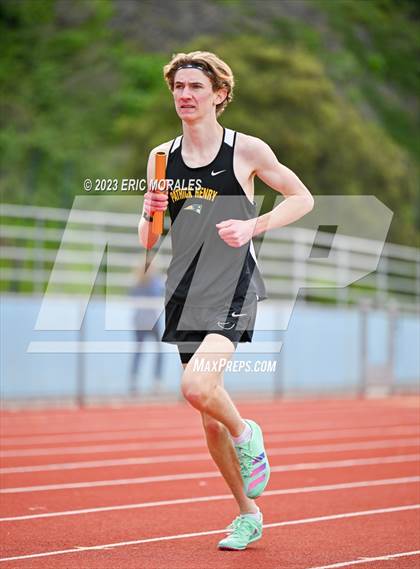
(213, 283)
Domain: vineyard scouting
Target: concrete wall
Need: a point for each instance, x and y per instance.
(321, 352)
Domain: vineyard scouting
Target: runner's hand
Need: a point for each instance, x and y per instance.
(236, 232)
(155, 201)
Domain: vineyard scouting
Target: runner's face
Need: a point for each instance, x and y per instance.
(193, 95)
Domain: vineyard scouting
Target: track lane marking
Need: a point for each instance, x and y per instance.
(367, 560)
(331, 517)
(153, 408)
(346, 463)
(161, 425)
(283, 491)
(183, 443)
(273, 430)
(277, 451)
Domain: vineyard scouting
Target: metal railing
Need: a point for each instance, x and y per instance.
(32, 245)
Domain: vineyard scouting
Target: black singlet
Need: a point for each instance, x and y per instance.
(204, 270)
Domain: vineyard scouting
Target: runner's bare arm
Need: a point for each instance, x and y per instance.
(299, 200)
(153, 201)
(260, 160)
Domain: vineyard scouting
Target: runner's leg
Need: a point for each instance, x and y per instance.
(201, 384)
(212, 392)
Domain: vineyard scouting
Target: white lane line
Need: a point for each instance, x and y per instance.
(159, 459)
(291, 419)
(274, 431)
(213, 532)
(284, 491)
(348, 463)
(184, 443)
(368, 560)
(14, 413)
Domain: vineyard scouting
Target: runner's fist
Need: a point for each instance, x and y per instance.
(155, 201)
(236, 232)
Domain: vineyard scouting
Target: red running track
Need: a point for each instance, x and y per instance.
(134, 487)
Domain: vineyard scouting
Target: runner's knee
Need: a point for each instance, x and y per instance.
(195, 390)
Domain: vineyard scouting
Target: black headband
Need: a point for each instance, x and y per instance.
(194, 66)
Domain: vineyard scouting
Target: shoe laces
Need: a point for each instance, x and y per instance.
(245, 460)
(231, 527)
(243, 527)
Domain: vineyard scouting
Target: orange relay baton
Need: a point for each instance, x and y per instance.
(160, 174)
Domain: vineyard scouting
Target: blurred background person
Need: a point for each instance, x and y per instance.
(146, 325)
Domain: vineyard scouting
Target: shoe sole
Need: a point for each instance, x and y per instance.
(227, 548)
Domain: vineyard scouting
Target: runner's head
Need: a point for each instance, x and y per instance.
(199, 81)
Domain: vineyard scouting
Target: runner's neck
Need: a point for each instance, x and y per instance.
(202, 140)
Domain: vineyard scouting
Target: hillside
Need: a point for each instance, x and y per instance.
(331, 86)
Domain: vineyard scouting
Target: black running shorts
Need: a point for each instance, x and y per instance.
(188, 326)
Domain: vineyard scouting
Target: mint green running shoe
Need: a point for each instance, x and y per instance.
(232, 525)
(244, 531)
(253, 462)
(230, 528)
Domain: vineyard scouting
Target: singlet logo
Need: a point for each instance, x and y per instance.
(226, 325)
(184, 194)
(213, 173)
(195, 207)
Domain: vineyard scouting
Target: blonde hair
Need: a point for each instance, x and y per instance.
(219, 72)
